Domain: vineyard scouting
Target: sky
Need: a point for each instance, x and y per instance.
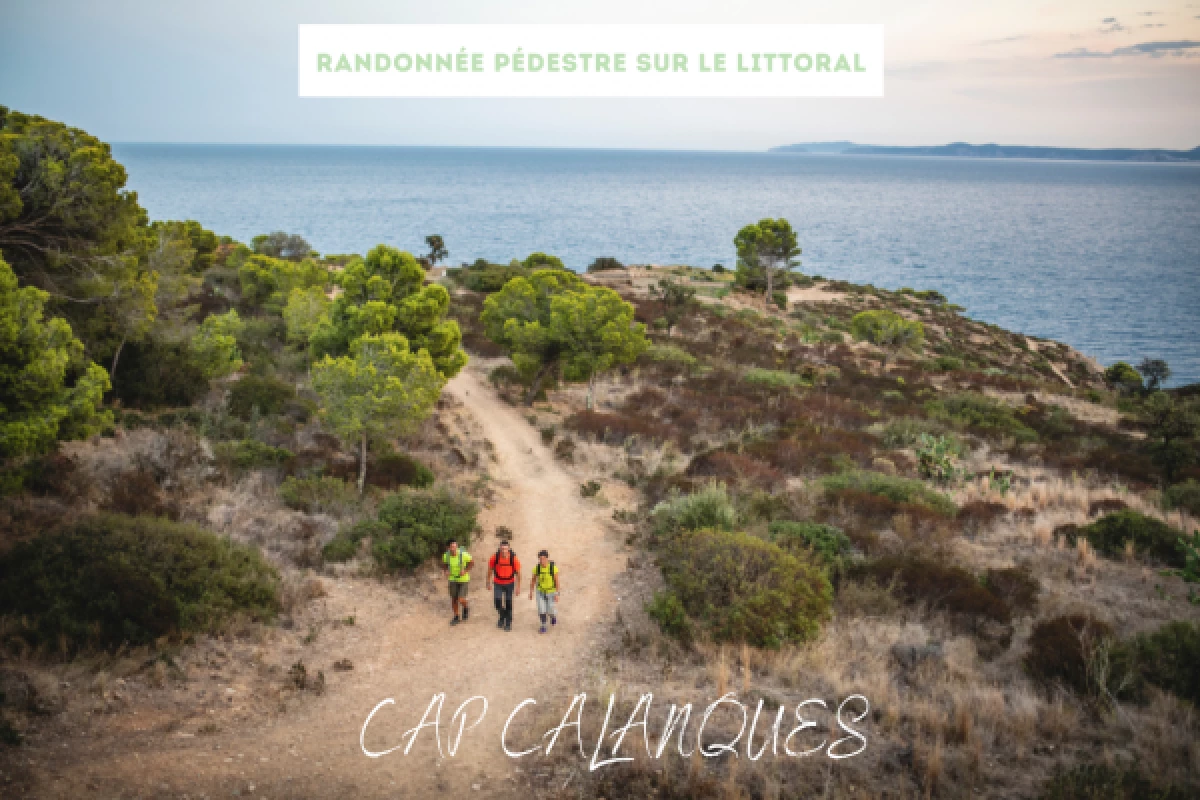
(1073, 73)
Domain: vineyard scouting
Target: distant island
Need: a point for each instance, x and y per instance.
(964, 150)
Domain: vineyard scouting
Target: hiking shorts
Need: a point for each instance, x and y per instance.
(458, 590)
(546, 604)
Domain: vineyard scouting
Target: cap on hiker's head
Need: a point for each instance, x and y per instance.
(452, 541)
(545, 553)
(504, 542)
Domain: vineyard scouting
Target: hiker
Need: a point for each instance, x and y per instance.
(456, 566)
(504, 573)
(547, 585)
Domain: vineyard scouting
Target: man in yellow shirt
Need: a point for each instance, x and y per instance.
(547, 585)
(456, 567)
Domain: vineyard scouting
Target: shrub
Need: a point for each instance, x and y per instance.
(1152, 538)
(604, 263)
(982, 414)
(773, 378)
(905, 432)
(1168, 658)
(1104, 782)
(947, 363)
(936, 460)
(940, 586)
(669, 355)
(667, 610)
(317, 495)
(734, 467)
(420, 523)
(616, 429)
(827, 543)
(1016, 586)
(392, 470)
(1061, 650)
(894, 488)
(887, 329)
(741, 589)
(154, 373)
(110, 579)
(267, 394)
(252, 454)
(344, 546)
(780, 300)
(1184, 496)
(708, 508)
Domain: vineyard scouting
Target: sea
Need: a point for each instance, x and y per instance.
(1102, 256)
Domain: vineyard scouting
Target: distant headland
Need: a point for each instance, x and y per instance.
(964, 150)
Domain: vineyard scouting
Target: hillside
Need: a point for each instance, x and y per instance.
(964, 150)
(229, 479)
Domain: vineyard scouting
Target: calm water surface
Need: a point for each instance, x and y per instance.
(1105, 257)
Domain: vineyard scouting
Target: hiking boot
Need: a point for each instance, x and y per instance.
(554, 620)
(466, 613)
(455, 621)
(543, 629)
(500, 622)
(508, 626)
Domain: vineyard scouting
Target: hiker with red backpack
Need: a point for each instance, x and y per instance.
(504, 573)
(547, 585)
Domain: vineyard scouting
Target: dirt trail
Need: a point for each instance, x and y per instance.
(403, 647)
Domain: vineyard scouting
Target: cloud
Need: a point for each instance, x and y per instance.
(1113, 25)
(1155, 25)
(1149, 13)
(1005, 40)
(1154, 49)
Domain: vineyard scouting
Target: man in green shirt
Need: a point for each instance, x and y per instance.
(456, 566)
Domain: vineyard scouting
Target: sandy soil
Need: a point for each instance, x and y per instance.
(402, 647)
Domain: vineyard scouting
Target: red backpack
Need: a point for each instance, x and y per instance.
(509, 565)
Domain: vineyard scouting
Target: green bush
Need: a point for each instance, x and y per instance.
(773, 378)
(887, 329)
(669, 354)
(710, 507)
(1184, 496)
(317, 494)
(742, 589)
(907, 431)
(344, 546)
(1104, 782)
(1152, 538)
(667, 610)
(154, 373)
(947, 363)
(894, 488)
(252, 454)
(110, 579)
(827, 543)
(983, 414)
(267, 394)
(420, 523)
(1168, 658)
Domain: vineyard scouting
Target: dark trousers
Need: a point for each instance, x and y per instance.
(503, 595)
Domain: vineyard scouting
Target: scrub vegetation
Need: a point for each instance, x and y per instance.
(823, 489)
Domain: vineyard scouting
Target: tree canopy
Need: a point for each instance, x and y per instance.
(48, 390)
(553, 322)
(290, 246)
(888, 330)
(386, 292)
(69, 227)
(767, 251)
(381, 389)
